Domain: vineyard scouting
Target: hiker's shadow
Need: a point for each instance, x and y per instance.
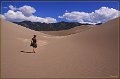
(26, 52)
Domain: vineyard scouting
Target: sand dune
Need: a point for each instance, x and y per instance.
(69, 31)
(83, 54)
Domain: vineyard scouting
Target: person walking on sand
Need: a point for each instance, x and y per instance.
(34, 43)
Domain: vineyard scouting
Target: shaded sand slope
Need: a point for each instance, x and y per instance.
(69, 31)
(90, 53)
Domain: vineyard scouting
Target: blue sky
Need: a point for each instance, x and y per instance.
(55, 9)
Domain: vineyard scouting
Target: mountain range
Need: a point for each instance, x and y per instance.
(38, 26)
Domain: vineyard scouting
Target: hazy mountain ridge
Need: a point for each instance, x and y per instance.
(38, 26)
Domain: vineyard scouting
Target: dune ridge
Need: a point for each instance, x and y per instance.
(69, 31)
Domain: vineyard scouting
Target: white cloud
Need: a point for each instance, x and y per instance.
(2, 16)
(101, 15)
(12, 7)
(66, 11)
(14, 16)
(25, 13)
(27, 10)
(40, 19)
(50, 20)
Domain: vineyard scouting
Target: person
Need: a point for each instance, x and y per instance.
(34, 43)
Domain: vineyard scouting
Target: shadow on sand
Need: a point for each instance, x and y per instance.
(26, 52)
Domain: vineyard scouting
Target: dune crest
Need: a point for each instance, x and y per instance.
(69, 31)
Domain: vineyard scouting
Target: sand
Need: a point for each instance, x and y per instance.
(81, 53)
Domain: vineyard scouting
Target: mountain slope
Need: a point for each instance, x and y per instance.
(38, 26)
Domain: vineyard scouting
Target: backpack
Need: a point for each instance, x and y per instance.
(31, 44)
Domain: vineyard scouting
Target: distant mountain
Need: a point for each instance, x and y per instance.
(38, 26)
(98, 24)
